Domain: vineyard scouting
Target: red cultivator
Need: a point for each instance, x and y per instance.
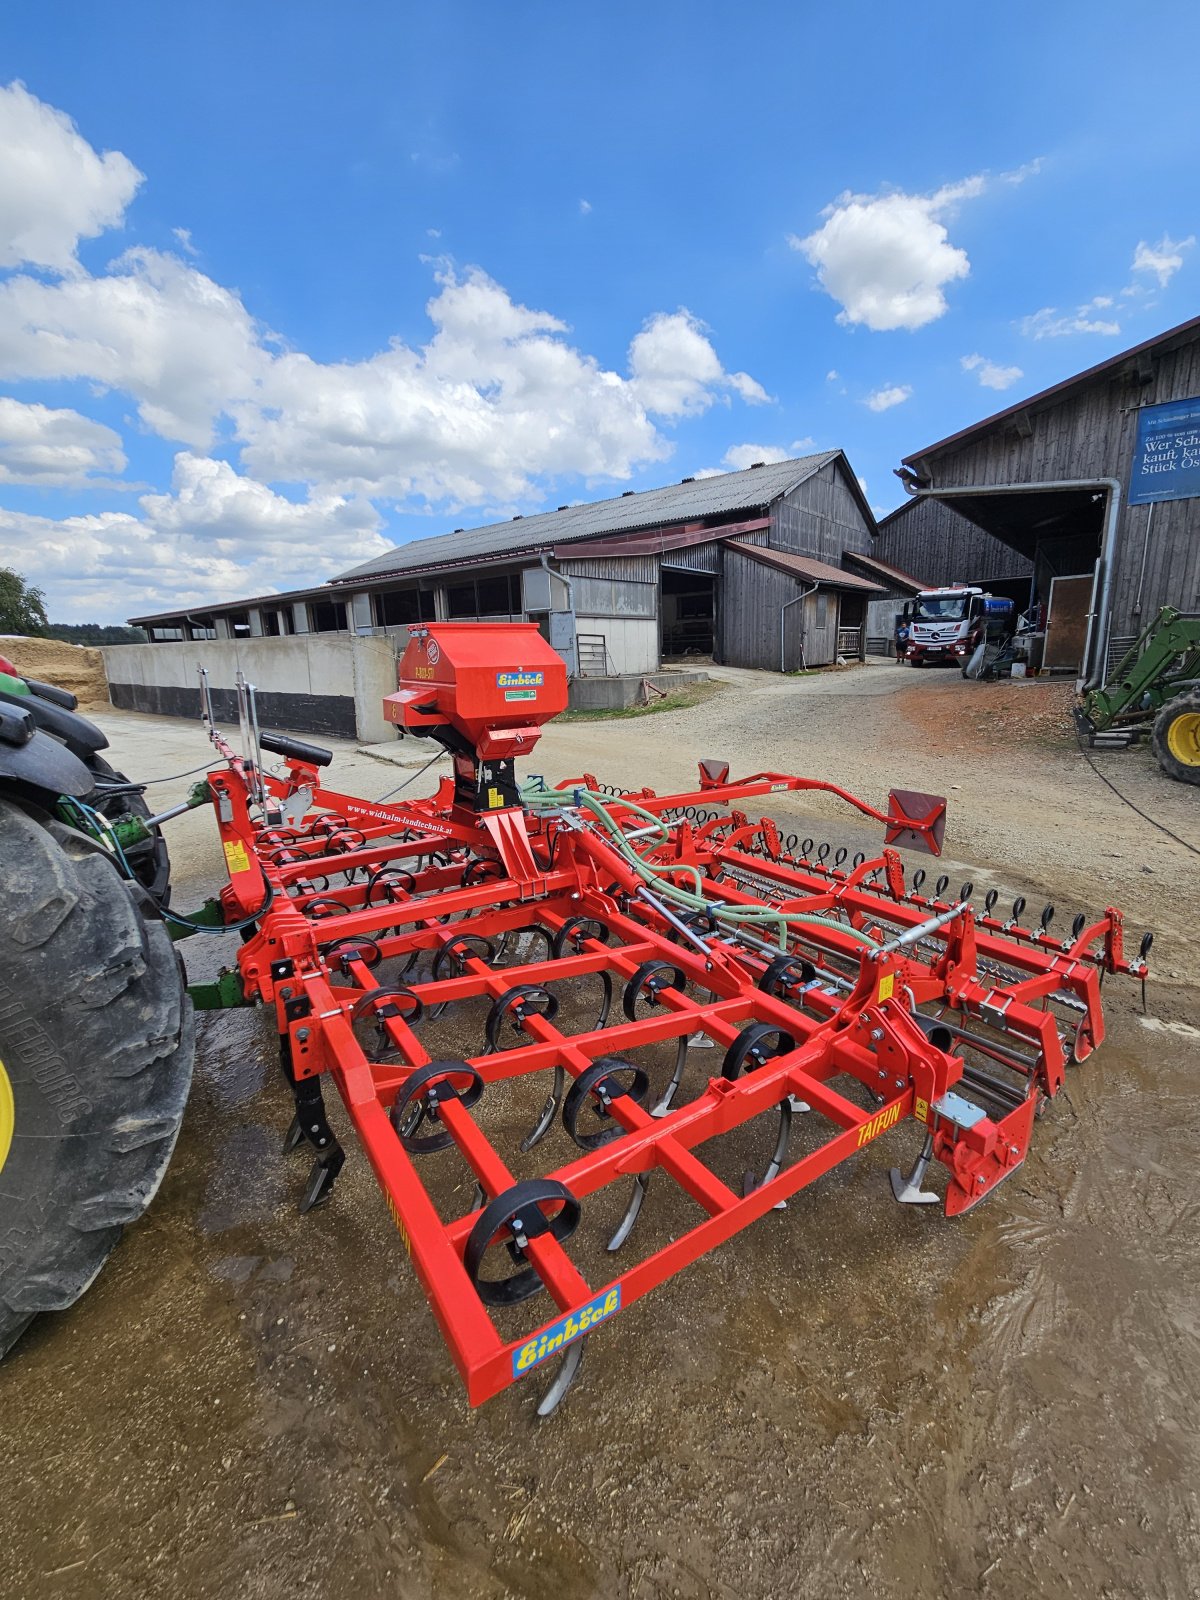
(603, 941)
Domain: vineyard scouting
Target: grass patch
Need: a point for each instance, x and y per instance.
(694, 694)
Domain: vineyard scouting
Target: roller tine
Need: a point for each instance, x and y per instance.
(664, 1105)
(549, 1111)
(640, 1184)
(477, 1199)
(567, 1373)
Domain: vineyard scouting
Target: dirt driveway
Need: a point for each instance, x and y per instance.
(851, 1399)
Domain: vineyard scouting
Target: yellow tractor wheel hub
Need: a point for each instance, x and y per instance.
(1183, 738)
(7, 1116)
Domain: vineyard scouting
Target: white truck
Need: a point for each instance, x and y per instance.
(947, 625)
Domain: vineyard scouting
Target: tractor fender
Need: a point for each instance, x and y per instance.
(31, 758)
(81, 737)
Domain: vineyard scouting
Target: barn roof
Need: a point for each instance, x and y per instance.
(804, 568)
(1181, 334)
(678, 503)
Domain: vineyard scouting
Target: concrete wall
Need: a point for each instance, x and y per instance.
(331, 683)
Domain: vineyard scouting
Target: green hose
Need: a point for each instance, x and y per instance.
(690, 899)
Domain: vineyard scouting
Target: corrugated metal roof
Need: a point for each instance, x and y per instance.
(282, 597)
(885, 570)
(803, 567)
(684, 502)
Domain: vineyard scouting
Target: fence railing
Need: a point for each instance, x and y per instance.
(849, 642)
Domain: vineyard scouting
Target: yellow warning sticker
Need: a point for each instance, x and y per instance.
(921, 1109)
(886, 986)
(495, 800)
(236, 858)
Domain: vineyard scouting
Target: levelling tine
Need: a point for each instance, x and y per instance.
(549, 1111)
(567, 1373)
(908, 1191)
(640, 1184)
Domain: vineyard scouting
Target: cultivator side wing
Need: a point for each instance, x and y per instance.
(537, 1003)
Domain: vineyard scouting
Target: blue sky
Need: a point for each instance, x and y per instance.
(280, 286)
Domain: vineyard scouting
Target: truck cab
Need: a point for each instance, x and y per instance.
(946, 625)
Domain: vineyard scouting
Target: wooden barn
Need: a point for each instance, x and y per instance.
(1095, 483)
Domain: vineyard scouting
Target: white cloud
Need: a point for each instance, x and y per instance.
(676, 370)
(1163, 259)
(54, 449)
(585, 207)
(217, 536)
(182, 346)
(831, 376)
(885, 399)
(803, 447)
(184, 236)
(991, 376)
(887, 258)
(493, 403)
(54, 188)
(740, 456)
(1049, 323)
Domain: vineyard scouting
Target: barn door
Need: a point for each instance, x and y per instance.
(1066, 621)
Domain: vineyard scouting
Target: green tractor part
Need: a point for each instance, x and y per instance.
(1154, 689)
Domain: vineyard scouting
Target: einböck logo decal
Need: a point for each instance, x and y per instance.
(565, 1331)
(519, 680)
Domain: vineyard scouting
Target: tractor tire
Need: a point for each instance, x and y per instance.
(96, 1045)
(1176, 738)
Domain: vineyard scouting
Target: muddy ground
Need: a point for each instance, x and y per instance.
(851, 1398)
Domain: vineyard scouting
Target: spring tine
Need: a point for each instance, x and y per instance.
(840, 855)
(664, 1105)
(939, 887)
(1047, 916)
(989, 900)
(567, 1373)
(1018, 907)
(918, 879)
(967, 890)
(778, 1155)
(640, 1184)
(549, 1111)
(822, 851)
(806, 848)
(1079, 924)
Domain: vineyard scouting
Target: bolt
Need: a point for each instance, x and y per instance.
(876, 1035)
(981, 1179)
(899, 1082)
(302, 1035)
(882, 1073)
(286, 992)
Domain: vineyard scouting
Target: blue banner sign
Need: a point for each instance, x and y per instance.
(1166, 463)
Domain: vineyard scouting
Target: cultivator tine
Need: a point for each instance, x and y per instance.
(567, 1373)
(640, 1184)
(294, 1137)
(668, 1094)
(778, 1156)
(549, 1111)
(908, 1191)
(321, 1179)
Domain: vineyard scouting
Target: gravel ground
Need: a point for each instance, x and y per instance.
(852, 1398)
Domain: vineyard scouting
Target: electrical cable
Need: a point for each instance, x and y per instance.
(1162, 828)
(136, 788)
(437, 756)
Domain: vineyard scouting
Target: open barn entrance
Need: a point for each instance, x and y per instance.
(688, 609)
(1060, 531)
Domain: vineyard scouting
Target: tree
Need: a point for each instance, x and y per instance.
(22, 607)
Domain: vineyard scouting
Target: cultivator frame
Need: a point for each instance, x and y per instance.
(871, 1005)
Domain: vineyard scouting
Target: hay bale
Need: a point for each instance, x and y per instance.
(71, 666)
